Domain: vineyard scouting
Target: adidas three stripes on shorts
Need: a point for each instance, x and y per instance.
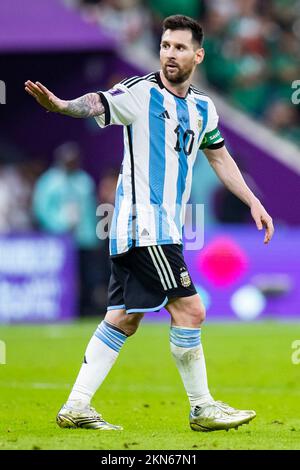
(146, 278)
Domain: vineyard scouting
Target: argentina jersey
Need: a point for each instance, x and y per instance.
(162, 136)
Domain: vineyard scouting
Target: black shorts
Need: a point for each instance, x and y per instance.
(145, 278)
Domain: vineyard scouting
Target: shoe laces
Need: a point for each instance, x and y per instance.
(213, 409)
(95, 414)
(225, 406)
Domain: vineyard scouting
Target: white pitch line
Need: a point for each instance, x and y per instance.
(150, 387)
(36, 385)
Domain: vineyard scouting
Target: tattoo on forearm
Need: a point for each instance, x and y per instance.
(88, 105)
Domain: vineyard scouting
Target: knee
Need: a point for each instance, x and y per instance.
(197, 314)
(130, 324)
(202, 312)
(127, 323)
(187, 312)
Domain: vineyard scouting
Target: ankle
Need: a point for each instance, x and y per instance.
(201, 400)
(77, 405)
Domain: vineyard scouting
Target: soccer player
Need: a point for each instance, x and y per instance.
(166, 120)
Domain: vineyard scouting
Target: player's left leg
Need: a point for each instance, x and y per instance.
(187, 316)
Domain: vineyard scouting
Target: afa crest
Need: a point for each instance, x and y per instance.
(200, 123)
(185, 278)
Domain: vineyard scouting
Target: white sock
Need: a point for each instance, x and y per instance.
(188, 353)
(101, 354)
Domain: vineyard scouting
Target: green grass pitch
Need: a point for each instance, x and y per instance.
(249, 366)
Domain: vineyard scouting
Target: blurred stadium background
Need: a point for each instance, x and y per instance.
(54, 170)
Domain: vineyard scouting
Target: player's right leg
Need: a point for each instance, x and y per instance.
(101, 354)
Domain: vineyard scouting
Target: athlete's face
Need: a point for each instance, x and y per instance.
(179, 55)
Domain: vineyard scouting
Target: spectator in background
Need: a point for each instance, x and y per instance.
(283, 117)
(285, 65)
(162, 9)
(253, 56)
(15, 199)
(64, 201)
(127, 20)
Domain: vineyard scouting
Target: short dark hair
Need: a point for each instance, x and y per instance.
(184, 22)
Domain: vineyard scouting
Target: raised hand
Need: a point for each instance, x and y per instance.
(44, 97)
(263, 219)
(85, 106)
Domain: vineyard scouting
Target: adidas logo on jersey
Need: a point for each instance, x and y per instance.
(164, 115)
(145, 233)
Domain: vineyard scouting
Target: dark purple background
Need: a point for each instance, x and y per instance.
(47, 25)
(278, 184)
(29, 131)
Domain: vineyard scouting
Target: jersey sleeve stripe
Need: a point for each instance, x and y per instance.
(197, 92)
(106, 108)
(129, 82)
(153, 80)
(150, 75)
(135, 82)
(126, 81)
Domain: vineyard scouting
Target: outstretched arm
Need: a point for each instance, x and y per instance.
(85, 106)
(227, 171)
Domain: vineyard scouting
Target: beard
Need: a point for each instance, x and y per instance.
(176, 75)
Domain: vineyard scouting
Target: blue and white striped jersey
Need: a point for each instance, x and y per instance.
(162, 136)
